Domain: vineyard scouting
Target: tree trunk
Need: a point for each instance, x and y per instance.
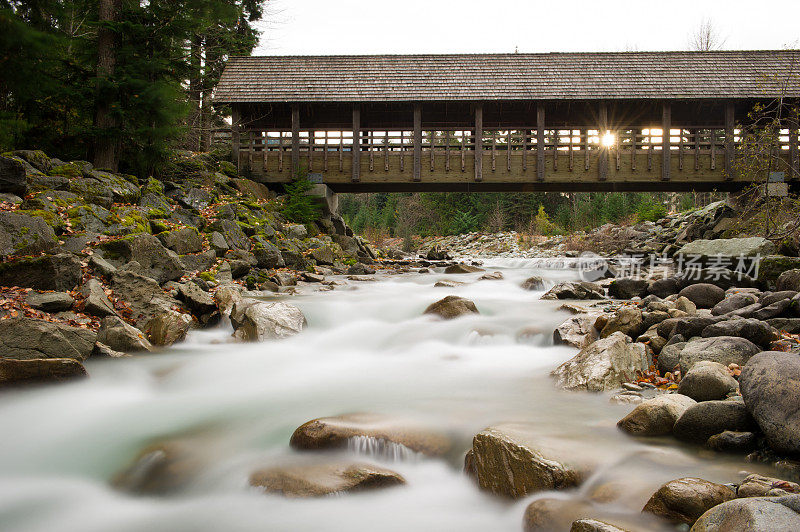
(212, 60)
(195, 93)
(106, 147)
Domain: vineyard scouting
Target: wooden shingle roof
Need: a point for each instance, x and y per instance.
(549, 76)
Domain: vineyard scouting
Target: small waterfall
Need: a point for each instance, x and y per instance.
(380, 448)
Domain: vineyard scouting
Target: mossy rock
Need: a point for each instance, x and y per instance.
(72, 170)
(228, 168)
(92, 218)
(208, 277)
(772, 266)
(128, 221)
(153, 186)
(51, 218)
(36, 158)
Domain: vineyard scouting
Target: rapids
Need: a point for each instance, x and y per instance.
(368, 348)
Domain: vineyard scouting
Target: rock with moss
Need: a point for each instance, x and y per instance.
(12, 176)
(770, 268)
(182, 241)
(36, 158)
(157, 261)
(92, 190)
(232, 233)
(50, 272)
(128, 221)
(92, 218)
(29, 338)
(73, 170)
(23, 234)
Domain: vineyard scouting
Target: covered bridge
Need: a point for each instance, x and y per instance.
(527, 122)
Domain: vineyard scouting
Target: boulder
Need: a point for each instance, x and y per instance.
(96, 301)
(462, 268)
(533, 283)
(627, 320)
(182, 241)
(12, 176)
(670, 356)
(757, 514)
(728, 247)
(684, 500)
(704, 295)
(317, 480)
(603, 365)
(707, 381)
(723, 349)
(575, 290)
(701, 421)
(196, 299)
(789, 280)
(663, 287)
(142, 294)
(161, 468)
(360, 269)
(51, 272)
(29, 338)
(734, 301)
(656, 416)
(510, 460)
(103, 351)
(447, 283)
(233, 235)
(685, 305)
(157, 261)
(50, 301)
(760, 486)
(790, 325)
(340, 431)
(758, 332)
(745, 312)
(772, 311)
(577, 331)
(627, 288)
(452, 307)
(773, 297)
(255, 321)
(121, 336)
(227, 296)
(267, 254)
(15, 372)
(686, 326)
(593, 525)
(491, 276)
(21, 234)
(555, 514)
(770, 384)
(731, 441)
(168, 327)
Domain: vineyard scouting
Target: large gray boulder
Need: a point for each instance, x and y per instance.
(733, 302)
(789, 280)
(728, 247)
(703, 420)
(50, 272)
(120, 336)
(707, 381)
(168, 327)
(758, 332)
(322, 479)
(627, 320)
(770, 384)
(12, 176)
(232, 233)
(723, 349)
(603, 365)
(96, 301)
(28, 338)
(50, 301)
(511, 460)
(25, 235)
(575, 290)
(267, 254)
(452, 307)
(684, 500)
(39, 371)
(753, 514)
(182, 241)
(335, 433)
(704, 295)
(656, 416)
(255, 321)
(142, 294)
(157, 261)
(577, 331)
(627, 288)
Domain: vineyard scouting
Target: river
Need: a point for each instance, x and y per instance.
(368, 348)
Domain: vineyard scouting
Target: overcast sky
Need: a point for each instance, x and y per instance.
(469, 26)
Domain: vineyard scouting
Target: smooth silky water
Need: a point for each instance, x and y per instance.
(368, 348)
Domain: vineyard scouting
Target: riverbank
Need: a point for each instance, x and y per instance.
(242, 369)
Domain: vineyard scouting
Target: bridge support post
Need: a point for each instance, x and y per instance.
(478, 142)
(794, 158)
(236, 119)
(540, 155)
(356, 176)
(730, 153)
(602, 159)
(418, 142)
(295, 139)
(666, 151)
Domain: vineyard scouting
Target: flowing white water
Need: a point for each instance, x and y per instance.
(367, 349)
